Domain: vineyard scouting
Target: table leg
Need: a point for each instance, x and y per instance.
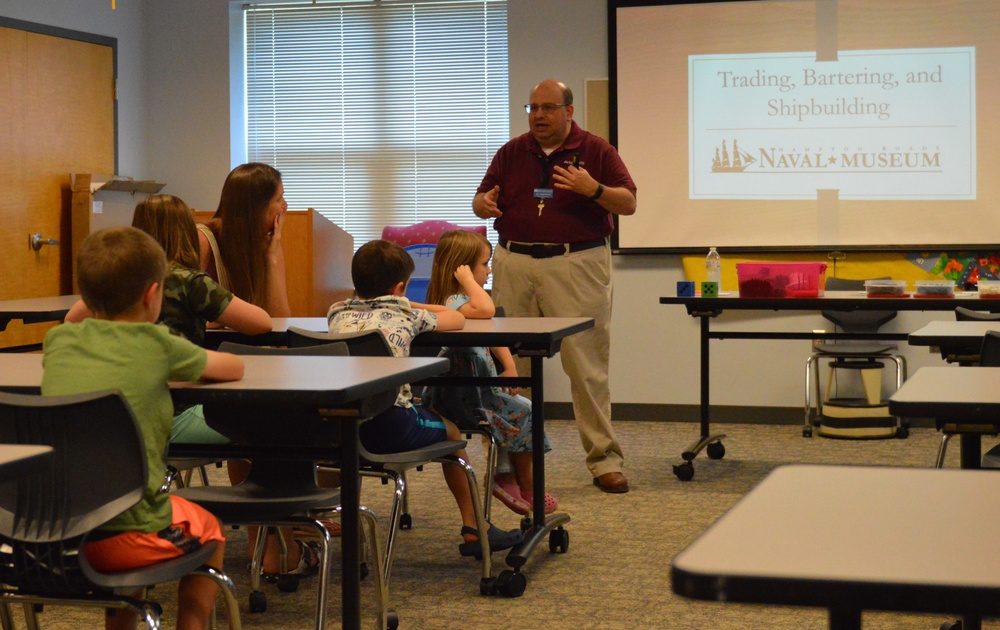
(971, 445)
(685, 471)
(350, 541)
(541, 525)
(845, 619)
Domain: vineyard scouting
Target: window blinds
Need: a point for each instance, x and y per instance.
(378, 112)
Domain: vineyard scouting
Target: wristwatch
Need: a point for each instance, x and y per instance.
(597, 195)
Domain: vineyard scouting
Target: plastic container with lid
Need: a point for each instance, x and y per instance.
(935, 288)
(989, 289)
(885, 288)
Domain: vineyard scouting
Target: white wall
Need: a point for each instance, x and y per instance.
(174, 123)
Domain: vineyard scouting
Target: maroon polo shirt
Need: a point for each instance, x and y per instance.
(520, 166)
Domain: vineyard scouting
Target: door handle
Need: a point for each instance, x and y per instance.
(35, 241)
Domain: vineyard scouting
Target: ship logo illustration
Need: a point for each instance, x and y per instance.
(741, 160)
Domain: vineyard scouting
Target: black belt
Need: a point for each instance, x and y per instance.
(549, 250)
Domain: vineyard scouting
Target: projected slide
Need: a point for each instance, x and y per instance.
(792, 124)
(874, 124)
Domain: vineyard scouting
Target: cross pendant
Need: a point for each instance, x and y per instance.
(541, 206)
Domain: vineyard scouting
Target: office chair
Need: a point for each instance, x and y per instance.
(866, 357)
(392, 466)
(283, 493)
(966, 356)
(46, 517)
(988, 356)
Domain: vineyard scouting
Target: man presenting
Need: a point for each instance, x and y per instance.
(553, 192)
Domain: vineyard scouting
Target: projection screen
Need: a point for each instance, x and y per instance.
(800, 124)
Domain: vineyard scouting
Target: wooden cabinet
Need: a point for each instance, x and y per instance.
(317, 261)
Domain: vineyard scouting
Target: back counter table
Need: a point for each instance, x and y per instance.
(359, 386)
(34, 311)
(536, 338)
(708, 308)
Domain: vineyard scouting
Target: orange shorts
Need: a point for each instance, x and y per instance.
(192, 526)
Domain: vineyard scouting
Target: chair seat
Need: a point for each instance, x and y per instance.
(992, 458)
(418, 455)
(249, 502)
(162, 572)
(861, 348)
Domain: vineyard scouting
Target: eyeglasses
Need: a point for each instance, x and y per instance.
(547, 108)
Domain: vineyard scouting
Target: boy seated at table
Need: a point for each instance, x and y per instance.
(381, 271)
(121, 272)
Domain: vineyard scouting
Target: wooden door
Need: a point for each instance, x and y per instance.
(57, 116)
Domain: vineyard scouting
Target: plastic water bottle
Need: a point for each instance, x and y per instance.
(713, 267)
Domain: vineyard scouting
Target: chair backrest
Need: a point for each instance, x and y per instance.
(424, 232)
(989, 352)
(963, 314)
(44, 516)
(254, 423)
(80, 490)
(855, 321)
(371, 343)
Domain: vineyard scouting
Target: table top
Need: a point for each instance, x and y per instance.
(836, 301)
(20, 459)
(529, 333)
(310, 380)
(43, 309)
(865, 538)
(945, 332)
(962, 394)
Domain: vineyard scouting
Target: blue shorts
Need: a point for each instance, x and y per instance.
(400, 429)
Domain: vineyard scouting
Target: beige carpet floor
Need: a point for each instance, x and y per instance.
(616, 573)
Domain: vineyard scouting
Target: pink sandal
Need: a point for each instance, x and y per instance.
(551, 504)
(510, 495)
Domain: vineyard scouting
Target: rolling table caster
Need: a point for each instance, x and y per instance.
(685, 471)
(715, 450)
(511, 583)
(405, 521)
(558, 540)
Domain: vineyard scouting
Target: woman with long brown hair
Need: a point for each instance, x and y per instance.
(240, 246)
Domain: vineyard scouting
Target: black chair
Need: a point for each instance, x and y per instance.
(46, 517)
(283, 493)
(866, 357)
(968, 355)
(392, 466)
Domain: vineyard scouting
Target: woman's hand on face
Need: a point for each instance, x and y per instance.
(275, 233)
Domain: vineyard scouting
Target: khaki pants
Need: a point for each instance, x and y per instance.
(572, 285)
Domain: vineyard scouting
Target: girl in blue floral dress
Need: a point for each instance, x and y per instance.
(460, 269)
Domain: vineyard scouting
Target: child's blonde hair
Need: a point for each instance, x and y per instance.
(454, 249)
(171, 223)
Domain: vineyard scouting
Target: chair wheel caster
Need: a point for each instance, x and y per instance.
(405, 521)
(391, 620)
(902, 433)
(288, 583)
(715, 450)
(685, 471)
(258, 602)
(525, 523)
(511, 583)
(488, 586)
(559, 540)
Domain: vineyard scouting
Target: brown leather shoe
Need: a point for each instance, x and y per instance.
(613, 482)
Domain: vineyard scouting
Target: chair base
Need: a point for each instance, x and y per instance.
(856, 419)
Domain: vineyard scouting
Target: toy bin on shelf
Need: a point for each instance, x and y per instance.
(781, 279)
